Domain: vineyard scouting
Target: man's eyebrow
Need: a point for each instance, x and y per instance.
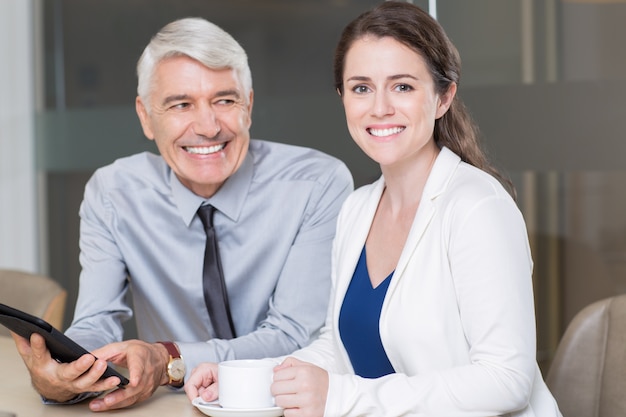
(176, 97)
(183, 97)
(230, 92)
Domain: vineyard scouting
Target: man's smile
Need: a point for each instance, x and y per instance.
(204, 150)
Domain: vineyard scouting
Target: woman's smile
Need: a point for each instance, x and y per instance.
(384, 132)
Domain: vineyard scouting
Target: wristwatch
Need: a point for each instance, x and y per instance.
(176, 365)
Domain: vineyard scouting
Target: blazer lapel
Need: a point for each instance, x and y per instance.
(356, 234)
(439, 177)
(424, 215)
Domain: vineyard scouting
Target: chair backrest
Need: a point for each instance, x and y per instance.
(588, 373)
(38, 295)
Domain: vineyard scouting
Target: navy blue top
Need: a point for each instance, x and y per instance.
(358, 323)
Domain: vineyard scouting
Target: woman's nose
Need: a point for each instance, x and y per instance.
(382, 105)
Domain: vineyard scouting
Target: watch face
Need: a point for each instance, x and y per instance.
(176, 369)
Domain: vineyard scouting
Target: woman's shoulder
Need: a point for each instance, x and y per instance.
(469, 182)
(452, 178)
(461, 188)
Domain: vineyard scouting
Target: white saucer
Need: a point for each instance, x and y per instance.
(214, 409)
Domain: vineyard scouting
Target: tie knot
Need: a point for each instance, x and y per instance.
(206, 215)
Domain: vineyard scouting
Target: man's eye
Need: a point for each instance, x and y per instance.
(225, 102)
(180, 106)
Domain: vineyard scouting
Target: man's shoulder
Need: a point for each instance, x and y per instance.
(280, 160)
(260, 147)
(139, 169)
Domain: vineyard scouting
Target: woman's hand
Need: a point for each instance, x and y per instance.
(300, 388)
(202, 382)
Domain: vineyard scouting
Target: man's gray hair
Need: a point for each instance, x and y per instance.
(198, 39)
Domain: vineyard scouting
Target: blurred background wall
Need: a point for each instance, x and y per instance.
(545, 79)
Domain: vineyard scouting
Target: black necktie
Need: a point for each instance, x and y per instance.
(215, 295)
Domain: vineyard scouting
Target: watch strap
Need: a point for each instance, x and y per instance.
(174, 353)
(172, 349)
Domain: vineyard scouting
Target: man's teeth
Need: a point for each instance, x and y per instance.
(386, 132)
(205, 150)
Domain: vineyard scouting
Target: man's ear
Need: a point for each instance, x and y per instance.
(250, 104)
(445, 101)
(144, 118)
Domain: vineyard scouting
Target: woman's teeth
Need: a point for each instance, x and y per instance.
(385, 132)
(204, 150)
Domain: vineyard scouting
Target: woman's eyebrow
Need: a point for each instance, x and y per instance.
(358, 78)
(400, 76)
(391, 77)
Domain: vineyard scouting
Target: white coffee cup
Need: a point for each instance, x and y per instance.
(245, 383)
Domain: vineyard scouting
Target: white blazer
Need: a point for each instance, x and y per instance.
(458, 320)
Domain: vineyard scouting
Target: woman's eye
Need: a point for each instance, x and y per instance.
(360, 89)
(404, 87)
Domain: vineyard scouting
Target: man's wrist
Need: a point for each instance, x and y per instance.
(175, 365)
(165, 359)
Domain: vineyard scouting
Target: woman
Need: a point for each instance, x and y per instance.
(432, 310)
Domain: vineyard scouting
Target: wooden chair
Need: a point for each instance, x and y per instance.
(35, 294)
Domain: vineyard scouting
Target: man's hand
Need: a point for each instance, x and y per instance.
(146, 363)
(202, 382)
(61, 382)
(300, 388)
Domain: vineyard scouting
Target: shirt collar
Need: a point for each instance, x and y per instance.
(229, 199)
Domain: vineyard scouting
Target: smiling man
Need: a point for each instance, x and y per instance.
(141, 233)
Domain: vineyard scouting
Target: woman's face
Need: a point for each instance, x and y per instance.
(390, 101)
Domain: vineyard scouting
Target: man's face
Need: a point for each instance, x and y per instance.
(200, 120)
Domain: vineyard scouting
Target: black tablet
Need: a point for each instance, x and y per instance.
(61, 347)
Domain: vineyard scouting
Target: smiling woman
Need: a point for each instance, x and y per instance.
(389, 92)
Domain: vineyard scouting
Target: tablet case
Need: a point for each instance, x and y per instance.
(61, 347)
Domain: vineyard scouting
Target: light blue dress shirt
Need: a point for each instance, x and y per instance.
(275, 225)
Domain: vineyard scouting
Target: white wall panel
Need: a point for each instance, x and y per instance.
(18, 206)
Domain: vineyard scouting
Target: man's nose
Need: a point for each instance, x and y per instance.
(206, 123)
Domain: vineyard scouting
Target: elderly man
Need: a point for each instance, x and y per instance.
(148, 224)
